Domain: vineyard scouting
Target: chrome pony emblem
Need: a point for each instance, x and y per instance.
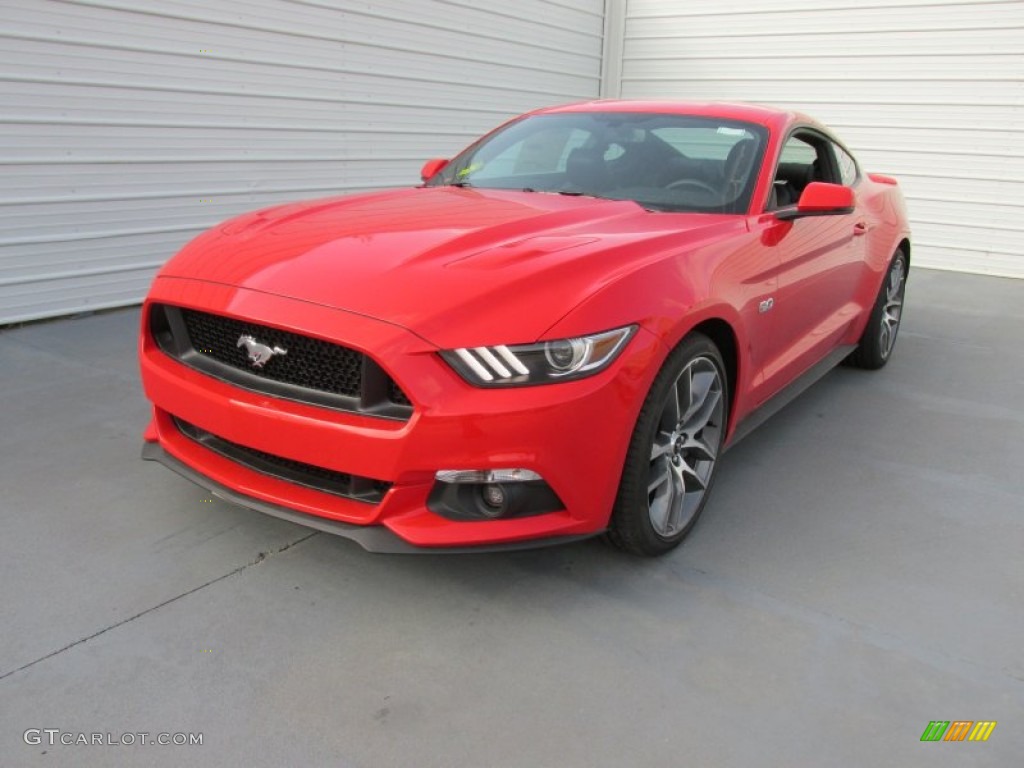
(259, 354)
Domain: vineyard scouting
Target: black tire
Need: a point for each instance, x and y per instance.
(674, 451)
(879, 337)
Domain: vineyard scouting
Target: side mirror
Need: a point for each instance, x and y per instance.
(431, 167)
(820, 199)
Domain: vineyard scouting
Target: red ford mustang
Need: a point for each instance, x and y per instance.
(555, 336)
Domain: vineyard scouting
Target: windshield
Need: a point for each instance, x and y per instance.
(664, 162)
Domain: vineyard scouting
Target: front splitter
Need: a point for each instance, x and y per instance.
(372, 538)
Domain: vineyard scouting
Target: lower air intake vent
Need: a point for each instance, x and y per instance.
(308, 475)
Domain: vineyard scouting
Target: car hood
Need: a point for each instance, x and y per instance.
(455, 266)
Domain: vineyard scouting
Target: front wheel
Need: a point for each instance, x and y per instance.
(674, 451)
(879, 339)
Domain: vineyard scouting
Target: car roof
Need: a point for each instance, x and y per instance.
(751, 113)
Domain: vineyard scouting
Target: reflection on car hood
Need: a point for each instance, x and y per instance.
(456, 266)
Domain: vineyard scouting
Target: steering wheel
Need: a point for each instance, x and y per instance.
(681, 183)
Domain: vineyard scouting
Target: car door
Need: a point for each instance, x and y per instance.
(820, 261)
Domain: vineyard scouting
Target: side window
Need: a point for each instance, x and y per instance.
(847, 166)
(798, 151)
(805, 157)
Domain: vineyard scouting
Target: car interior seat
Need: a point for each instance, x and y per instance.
(585, 168)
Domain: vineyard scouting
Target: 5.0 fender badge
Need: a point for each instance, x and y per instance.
(259, 354)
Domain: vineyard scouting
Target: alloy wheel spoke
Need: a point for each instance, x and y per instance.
(701, 383)
(673, 408)
(691, 478)
(893, 326)
(662, 445)
(675, 511)
(684, 394)
(661, 493)
(703, 413)
(895, 282)
(698, 448)
(661, 473)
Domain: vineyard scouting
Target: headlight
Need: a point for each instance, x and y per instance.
(545, 362)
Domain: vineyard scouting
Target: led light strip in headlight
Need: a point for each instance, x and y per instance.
(544, 362)
(489, 358)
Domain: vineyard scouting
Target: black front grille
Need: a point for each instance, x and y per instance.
(396, 395)
(297, 367)
(309, 475)
(306, 362)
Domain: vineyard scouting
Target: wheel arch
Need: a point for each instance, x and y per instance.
(904, 245)
(724, 336)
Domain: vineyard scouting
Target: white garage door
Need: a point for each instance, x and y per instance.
(926, 90)
(127, 127)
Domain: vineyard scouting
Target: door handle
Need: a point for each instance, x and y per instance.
(860, 228)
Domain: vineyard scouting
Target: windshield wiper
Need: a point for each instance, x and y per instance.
(461, 184)
(574, 193)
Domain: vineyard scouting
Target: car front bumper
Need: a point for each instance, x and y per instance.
(573, 434)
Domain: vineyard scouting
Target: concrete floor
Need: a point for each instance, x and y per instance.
(858, 573)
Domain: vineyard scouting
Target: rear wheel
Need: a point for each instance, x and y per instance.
(674, 451)
(879, 337)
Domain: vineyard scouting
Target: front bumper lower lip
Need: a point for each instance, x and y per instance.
(372, 538)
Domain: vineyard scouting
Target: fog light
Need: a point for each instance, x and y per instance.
(490, 494)
(494, 496)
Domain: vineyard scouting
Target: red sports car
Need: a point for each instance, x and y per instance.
(554, 336)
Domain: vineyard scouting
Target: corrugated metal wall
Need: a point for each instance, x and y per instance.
(931, 91)
(128, 126)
